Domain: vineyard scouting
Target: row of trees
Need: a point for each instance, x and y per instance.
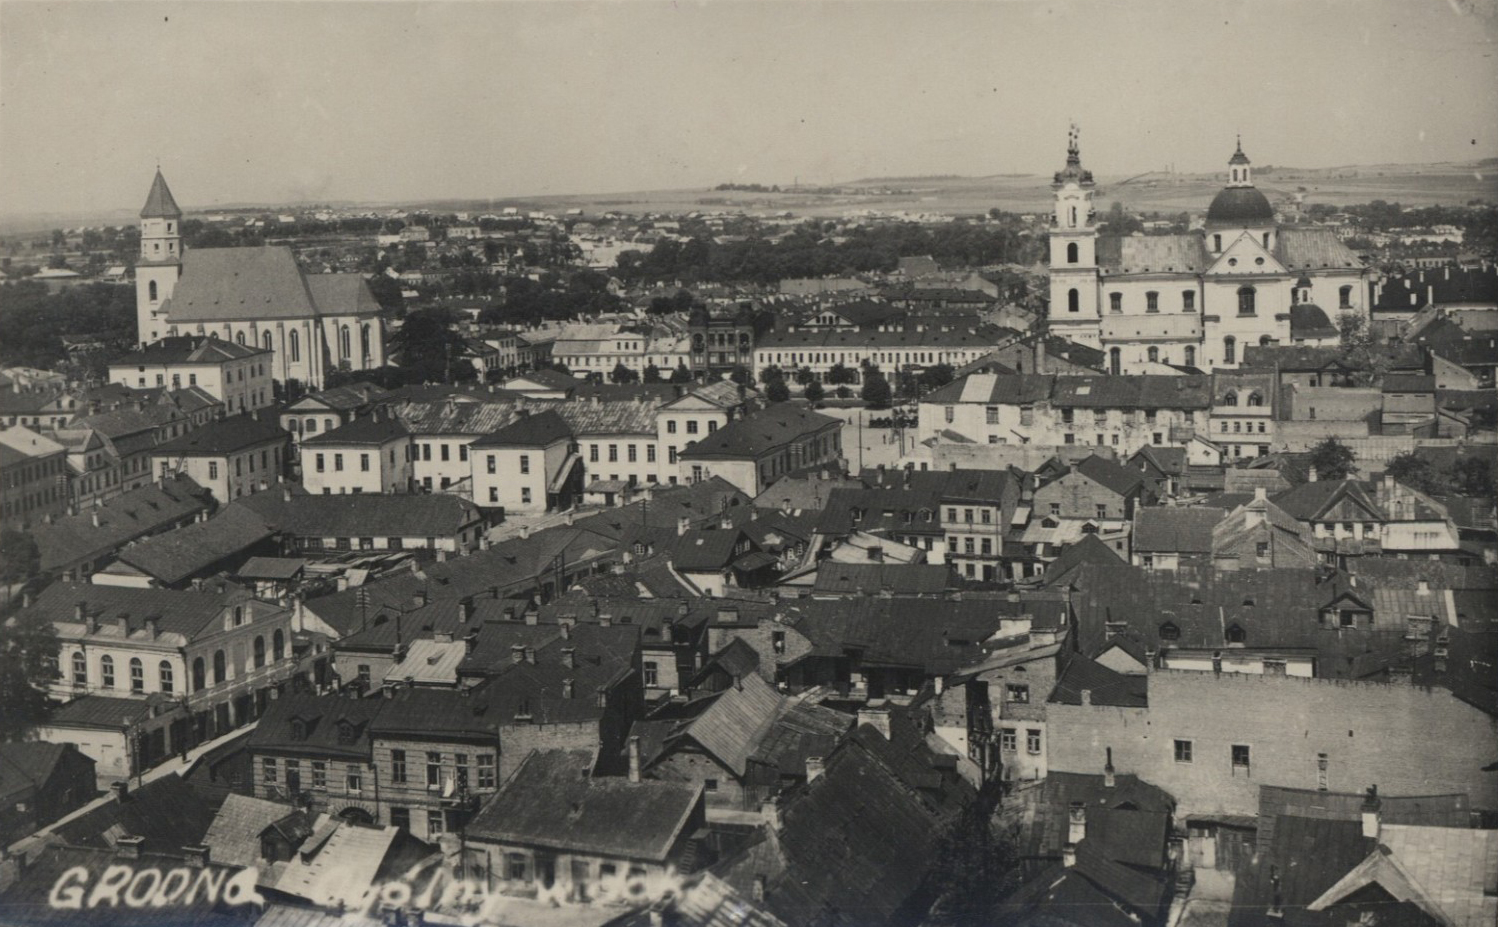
(34, 321)
(807, 252)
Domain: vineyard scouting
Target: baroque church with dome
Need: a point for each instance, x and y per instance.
(256, 296)
(1153, 303)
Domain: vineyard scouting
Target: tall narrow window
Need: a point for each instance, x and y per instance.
(1071, 253)
(1115, 361)
(199, 680)
(1151, 302)
(267, 342)
(152, 287)
(1073, 301)
(343, 342)
(1188, 300)
(80, 670)
(278, 645)
(1230, 350)
(1115, 302)
(1154, 355)
(137, 675)
(259, 651)
(294, 345)
(1344, 297)
(1246, 300)
(1216, 242)
(220, 667)
(106, 669)
(164, 676)
(1190, 356)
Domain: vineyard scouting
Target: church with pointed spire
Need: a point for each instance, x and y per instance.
(1156, 303)
(257, 296)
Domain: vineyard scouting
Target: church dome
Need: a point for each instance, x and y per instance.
(1240, 206)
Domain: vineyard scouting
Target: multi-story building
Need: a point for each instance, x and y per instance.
(327, 409)
(230, 458)
(369, 454)
(528, 466)
(755, 451)
(33, 476)
(1123, 413)
(722, 339)
(236, 374)
(1243, 411)
(109, 453)
(1196, 299)
(598, 349)
(891, 351)
(206, 659)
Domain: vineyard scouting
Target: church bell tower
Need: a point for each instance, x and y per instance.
(160, 261)
(1074, 275)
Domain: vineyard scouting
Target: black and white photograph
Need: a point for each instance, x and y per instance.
(749, 463)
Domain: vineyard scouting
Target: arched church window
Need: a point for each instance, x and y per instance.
(266, 342)
(1071, 253)
(1115, 361)
(1246, 300)
(239, 338)
(1074, 217)
(1230, 350)
(294, 345)
(343, 342)
(364, 340)
(152, 287)
(1216, 242)
(1073, 301)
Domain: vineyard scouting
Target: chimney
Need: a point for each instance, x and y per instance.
(525, 531)
(441, 555)
(760, 881)
(567, 687)
(634, 758)
(1069, 855)
(815, 766)
(1108, 770)
(530, 654)
(1076, 822)
(1311, 474)
(26, 598)
(96, 518)
(198, 856)
(1422, 587)
(465, 610)
(121, 790)
(1372, 826)
(421, 597)
(128, 847)
(1086, 696)
(878, 717)
(605, 620)
(1260, 495)
(80, 613)
(1040, 358)
(682, 524)
(286, 494)
(151, 629)
(569, 654)
(1276, 908)
(517, 653)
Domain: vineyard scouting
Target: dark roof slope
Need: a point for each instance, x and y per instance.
(167, 812)
(407, 515)
(225, 436)
(124, 518)
(760, 432)
(1175, 529)
(176, 555)
(160, 204)
(540, 429)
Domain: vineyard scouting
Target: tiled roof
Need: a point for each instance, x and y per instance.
(1133, 392)
(760, 433)
(874, 578)
(27, 764)
(74, 538)
(1110, 475)
(240, 283)
(234, 836)
(542, 429)
(802, 493)
(992, 388)
(222, 437)
(187, 350)
(321, 717)
(732, 726)
(167, 812)
(1174, 529)
(704, 549)
(1103, 685)
(405, 515)
(176, 555)
(176, 612)
(100, 711)
(272, 568)
(371, 430)
(1313, 249)
(550, 802)
(1144, 254)
(1307, 857)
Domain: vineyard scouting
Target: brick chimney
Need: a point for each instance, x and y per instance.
(877, 717)
(128, 847)
(517, 653)
(569, 655)
(1372, 820)
(815, 767)
(567, 688)
(121, 790)
(634, 758)
(198, 856)
(1108, 771)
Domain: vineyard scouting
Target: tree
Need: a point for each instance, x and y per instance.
(804, 376)
(623, 374)
(876, 390)
(19, 557)
(973, 869)
(777, 391)
(770, 374)
(740, 375)
(814, 392)
(840, 374)
(1414, 471)
(1473, 476)
(681, 374)
(652, 374)
(937, 376)
(1333, 460)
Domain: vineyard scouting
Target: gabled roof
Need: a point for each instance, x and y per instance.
(175, 612)
(731, 728)
(222, 437)
(173, 556)
(1308, 856)
(1103, 685)
(1174, 529)
(139, 512)
(28, 764)
(373, 430)
(234, 836)
(167, 812)
(339, 863)
(187, 350)
(551, 802)
(404, 515)
(874, 578)
(1110, 475)
(1313, 248)
(220, 284)
(760, 433)
(541, 429)
(159, 202)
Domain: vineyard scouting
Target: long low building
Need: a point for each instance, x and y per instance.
(820, 351)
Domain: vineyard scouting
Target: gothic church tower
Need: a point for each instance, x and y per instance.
(1074, 273)
(160, 261)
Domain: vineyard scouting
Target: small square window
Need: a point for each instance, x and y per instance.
(1183, 751)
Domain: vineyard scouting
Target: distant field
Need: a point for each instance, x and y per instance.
(1411, 185)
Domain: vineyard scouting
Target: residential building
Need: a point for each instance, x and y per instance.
(529, 466)
(39, 783)
(755, 451)
(328, 409)
(365, 521)
(74, 546)
(234, 373)
(1242, 420)
(33, 476)
(230, 458)
(371, 454)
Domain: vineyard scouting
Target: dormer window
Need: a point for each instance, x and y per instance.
(1236, 634)
(298, 729)
(1169, 632)
(345, 731)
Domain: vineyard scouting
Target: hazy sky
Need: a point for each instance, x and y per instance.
(297, 101)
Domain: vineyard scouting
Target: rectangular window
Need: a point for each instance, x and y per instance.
(354, 777)
(651, 671)
(613, 453)
(525, 463)
(493, 493)
(268, 769)
(592, 453)
(515, 866)
(364, 463)
(397, 766)
(1018, 694)
(486, 771)
(632, 457)
(1102, 510)
(1240, 754)
(434, 823)
(650, 454)
(1188, 300)
(338, 463)
(710, 785)
(525, 495)
(1032, 741)
(1008, 739)
(671, 426)
(463, 452)
(434, 770)
(446, 452)
(460, 769)
(1151, 302)
(213, 467)
(1183, 751)
(691, 426)
(992, 415)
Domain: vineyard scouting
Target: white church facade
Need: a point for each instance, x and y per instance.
(256, 296)
(1197, 299)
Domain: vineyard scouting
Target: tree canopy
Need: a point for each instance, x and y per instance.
(1333, 460)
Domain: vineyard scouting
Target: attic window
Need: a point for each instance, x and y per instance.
(1169, 632)
(1248, 602)
(1236, 634)
(345, 732)
(298, 729)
